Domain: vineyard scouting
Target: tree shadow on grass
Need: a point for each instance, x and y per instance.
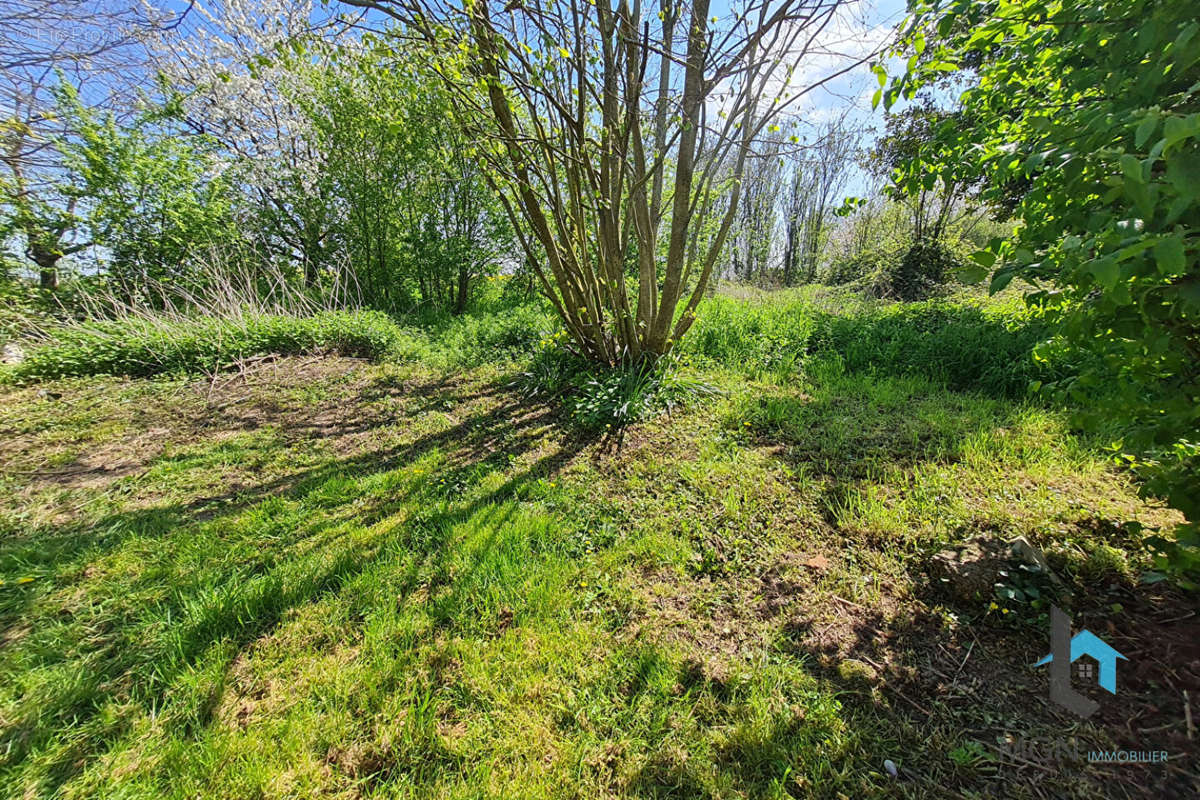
(129, 655)
(848, 434)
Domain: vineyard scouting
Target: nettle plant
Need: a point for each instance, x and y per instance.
(1086, 127)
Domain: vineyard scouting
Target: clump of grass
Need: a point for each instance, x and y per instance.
(965, 344)
(501, 333)
(599, 398)
(142, 345)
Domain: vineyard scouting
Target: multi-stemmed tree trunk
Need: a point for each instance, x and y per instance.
(612, 132)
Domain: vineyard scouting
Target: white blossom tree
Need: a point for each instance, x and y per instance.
(243, 64)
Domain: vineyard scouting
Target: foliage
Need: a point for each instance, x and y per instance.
(939, 199)
(414, 215)
(495, 330)
(145, 346)
(920, 271)
(594, 125)
(1092, 108)
(608, 398)
(241, 70)
(856, 267)
(149, 195)
(965, 343)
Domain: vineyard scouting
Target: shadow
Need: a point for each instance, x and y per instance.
(847, 432)
(155, 627)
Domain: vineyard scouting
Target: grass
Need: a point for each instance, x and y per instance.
(337, 578)
(143, 345)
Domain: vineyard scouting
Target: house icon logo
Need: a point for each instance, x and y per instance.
(1065, 650)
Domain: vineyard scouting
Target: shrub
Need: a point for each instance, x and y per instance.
(916, 273)
(964, 344)
(860, 266)
(139, 346)
(504, 333)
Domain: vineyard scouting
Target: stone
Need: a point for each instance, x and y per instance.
(971, 570)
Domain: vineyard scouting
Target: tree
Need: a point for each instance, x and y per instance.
(245, 72)
(44, 43)
(819, 174)
(1092, 110)
(753, 234)
(608, 135)
(410, 208)
(148, 193)
(915, 135)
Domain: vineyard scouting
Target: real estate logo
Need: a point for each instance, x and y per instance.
(1065, 650)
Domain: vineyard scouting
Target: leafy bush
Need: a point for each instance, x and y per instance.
(923, 268)
(1095, 154)
(862, 265)
(920, 271)
(504, 331)
(139, 346)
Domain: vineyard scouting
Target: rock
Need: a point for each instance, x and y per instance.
(972, 569)
(11, 354)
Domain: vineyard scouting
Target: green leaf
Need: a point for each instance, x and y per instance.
(1131, 168)
(1145, 130)
(1001, 280)
(971, 273)
(1183, 173)
(984, 257)
(1170, 256)
(1104, 270)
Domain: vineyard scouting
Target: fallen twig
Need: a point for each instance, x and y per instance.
(1187, 715)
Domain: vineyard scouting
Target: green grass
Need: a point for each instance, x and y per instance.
(970, 343)
(395, 580)
(144, 345)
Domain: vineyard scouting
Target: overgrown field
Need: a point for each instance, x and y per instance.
(405, 576)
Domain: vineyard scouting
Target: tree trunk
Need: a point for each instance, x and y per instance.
(464, 284)
(47, 262)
